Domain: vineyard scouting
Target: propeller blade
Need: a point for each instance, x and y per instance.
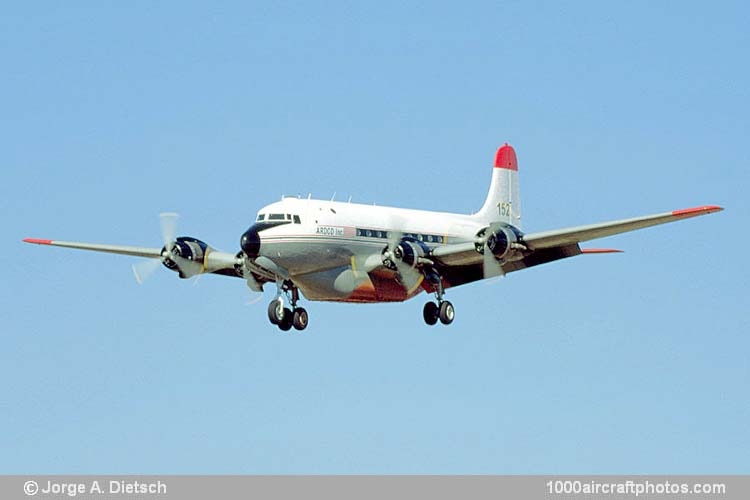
(250, 280)
(145, 268)
(490, 265)
(168, 222)
(410, 277)
(255, 300)
(187, 267)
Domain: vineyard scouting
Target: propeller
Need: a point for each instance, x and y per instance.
(410, 276)
(491, 267)
(492, 236)
(145, 268)
(168, 223)
(247, 273)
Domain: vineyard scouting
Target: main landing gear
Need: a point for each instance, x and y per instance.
(284, 317)
(442, 310)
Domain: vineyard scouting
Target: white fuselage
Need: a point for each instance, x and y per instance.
(319, 240)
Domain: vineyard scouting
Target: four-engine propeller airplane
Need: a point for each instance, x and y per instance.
(347, 252)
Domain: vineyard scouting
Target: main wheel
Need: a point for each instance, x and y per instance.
(447, 313)
(286, 322)
(275, 312)
(300, 319)
(430, 313)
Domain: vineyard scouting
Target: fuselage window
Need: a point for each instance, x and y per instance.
(375, 233)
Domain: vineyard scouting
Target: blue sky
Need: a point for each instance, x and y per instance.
(631, 363)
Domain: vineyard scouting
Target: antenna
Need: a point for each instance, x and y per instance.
(334, 195)
(350, 199)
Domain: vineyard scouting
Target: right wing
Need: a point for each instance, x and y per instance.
(119, 249)
(214, 262)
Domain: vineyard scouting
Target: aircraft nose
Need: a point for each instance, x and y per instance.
(250, 242)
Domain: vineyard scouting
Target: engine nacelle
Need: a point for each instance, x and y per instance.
(188, 248)
(504, 241)
(408, 251)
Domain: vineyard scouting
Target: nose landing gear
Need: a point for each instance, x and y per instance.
(281, 315)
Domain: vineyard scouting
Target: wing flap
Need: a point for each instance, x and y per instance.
(543, 256)
(456, 254)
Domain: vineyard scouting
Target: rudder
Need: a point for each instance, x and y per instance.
(503, 203)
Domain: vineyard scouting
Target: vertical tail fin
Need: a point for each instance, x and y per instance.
(503, 203)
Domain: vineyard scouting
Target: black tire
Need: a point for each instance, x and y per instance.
(430, 313)
(300, 319)
(286, 323)
(447, 313)
(273, 312)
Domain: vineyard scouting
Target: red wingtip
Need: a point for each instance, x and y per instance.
(692, 212)
(506, 157)
(600, 250)
(37, 241)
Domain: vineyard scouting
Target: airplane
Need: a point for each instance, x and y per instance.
(349, 252)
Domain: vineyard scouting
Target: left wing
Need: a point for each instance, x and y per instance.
(548, 246)
(559, 237)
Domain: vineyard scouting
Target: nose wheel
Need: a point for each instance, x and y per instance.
(285, 317)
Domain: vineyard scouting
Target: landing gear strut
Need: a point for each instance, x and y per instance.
(442, 310)
(281, 315)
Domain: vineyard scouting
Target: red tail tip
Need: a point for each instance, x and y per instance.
(506, 157)
(37, 241)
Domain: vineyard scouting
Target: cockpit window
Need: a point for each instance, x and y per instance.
(296, 219)
(261, 217)
(276, 217)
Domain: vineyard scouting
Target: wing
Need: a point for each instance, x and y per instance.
(119, 249)
(578, 234)
(211, 261)
(461, 263)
